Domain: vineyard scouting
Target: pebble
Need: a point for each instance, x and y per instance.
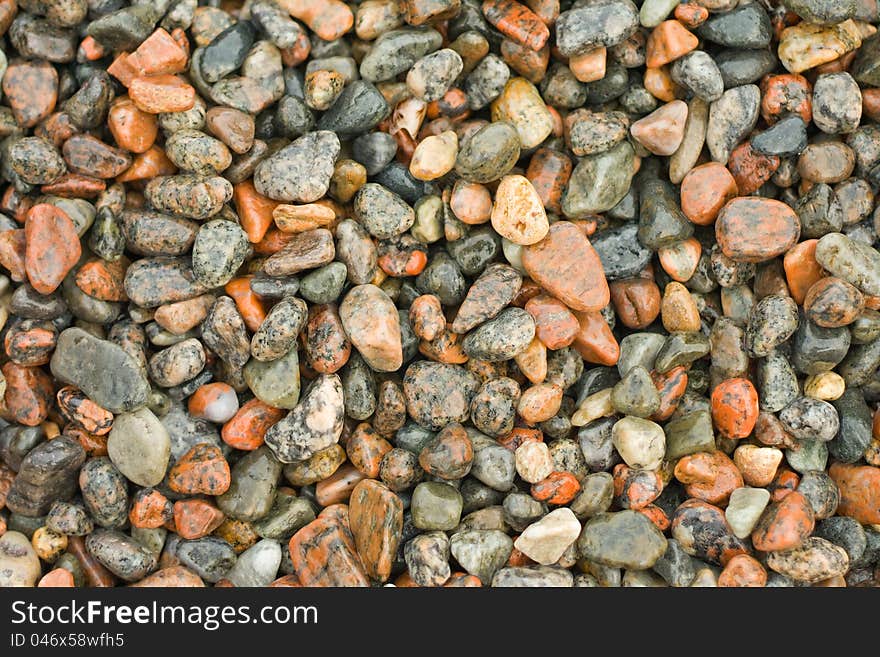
(662, 130)
(813, 561)
(482, 553)
(731, 118)
(314, 424)
(576, 281)
(139, 447)
(373, 326)
(518, 213)
(623, 539)
(745, 507)
(301, 171)
(435, 506)
(19, 564)
(547, 540)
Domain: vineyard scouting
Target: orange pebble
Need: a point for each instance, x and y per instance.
(249, 304)
(471, 202)
(254, 210)
(595, 342)
(133, 129)
(801, 269)
(667, 42)
(557, 488)
(196, 518)
(735, 407)
(743, 571)
(248, 426)
(57, 578)
(216, 402)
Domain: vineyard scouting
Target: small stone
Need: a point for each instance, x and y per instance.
(745, 508)
(481, 552)
(547, 540)
(139, 447)
(436, 506)
(256, 566)
(314, 424)
(604, 23)
(641, 443)
(625, 539)
(301, 171)
(372, 324)
(731, 118)
(120, 554)
(518, 214)
(576, 281)
(662, 130)
(382, 212)
(254, 479)
(813, 561)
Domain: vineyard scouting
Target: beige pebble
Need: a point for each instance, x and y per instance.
(518, 214)
(826, 386)
(435, 156)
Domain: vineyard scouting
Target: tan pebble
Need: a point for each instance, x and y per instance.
(300, 218)
(593, 407)
(826, 386)
(757, 464)
(435, 156)
(540, 402)
(678, 310)
(518, 214)
(532, 362)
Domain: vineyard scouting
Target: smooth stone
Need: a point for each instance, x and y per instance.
(140, 447)
(855, 433)
(547, 540)
(219, 250)
(276, 382)
(324, 284)
(371, 322)
(19, 564)
(640, 443)
(625, 539)
(481, 552)
(747, 26)
(785, 138)
(501, 338)
(599, 182)
(210, 557)
(676, 566)
(745, 508)
(436, 506)
(731, 118)
(600, 23)
(621, 253)
(301, 171)
(814, 561)
(254, 479)
(120, 554)
(396, 51)
(689, 434)
(854, 262)
(489, 153)
(532, 576)
(82, 360)
(257, 566)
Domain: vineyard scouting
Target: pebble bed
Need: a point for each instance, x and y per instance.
(439, 293)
